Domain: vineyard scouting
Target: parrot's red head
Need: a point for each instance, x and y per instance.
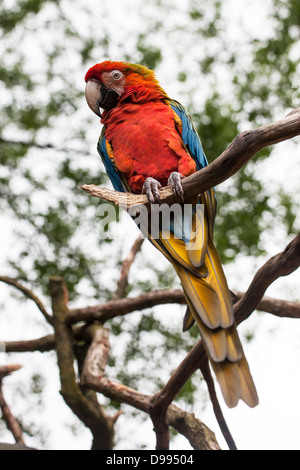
(111, 83)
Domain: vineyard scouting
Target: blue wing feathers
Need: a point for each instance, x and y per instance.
(111, 171)
(190, 136)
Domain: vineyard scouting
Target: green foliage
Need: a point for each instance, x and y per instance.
(266, 87)
(10, 18)
(150, 56)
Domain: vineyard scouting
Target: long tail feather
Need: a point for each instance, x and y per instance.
(236, 382)
(199, 268)
(221, 340)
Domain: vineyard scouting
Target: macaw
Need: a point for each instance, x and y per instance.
(148, 141)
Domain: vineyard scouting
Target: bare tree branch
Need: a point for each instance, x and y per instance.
(82, 402)
(126, 265)
(29, 294)
(46, 343)
(162, 400)
(7, 370)
(158, 406)
(96, 358)
(119, 307)
(32, 143)
(282, 264)
(113, 308)
(198, 434)
(278, 307)
(93, 376)
(102, 312)
(11, 422)
(235, 156)
(206, 372)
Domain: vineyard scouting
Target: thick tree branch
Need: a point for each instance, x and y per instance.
(199, 435)
(85, 406)
(46, 343)
(277, 307)
(112, 308)
(119, 307)
(158, 406)
(96, 358)
(235, 156)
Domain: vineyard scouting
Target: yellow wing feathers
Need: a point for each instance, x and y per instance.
(198, 266)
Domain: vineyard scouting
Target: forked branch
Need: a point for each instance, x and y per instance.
(29, 294)
(93, 376)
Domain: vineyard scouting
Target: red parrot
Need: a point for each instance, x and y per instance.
(148, 141)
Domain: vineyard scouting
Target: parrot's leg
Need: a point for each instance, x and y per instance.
(151, 188)
(175, 182)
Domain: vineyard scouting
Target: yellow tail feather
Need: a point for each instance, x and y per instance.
(198, 266)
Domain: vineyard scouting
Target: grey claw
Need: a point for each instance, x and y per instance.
(151, 189)
(175, 182)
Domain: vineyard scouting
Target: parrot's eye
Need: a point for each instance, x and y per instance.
(116, 74)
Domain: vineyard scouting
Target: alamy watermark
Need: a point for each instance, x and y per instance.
(179, 221)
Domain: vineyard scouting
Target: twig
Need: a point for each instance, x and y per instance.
(126, 265)
(29, 294)
(40, 146)
(216, 405)
(7, 370)
(11, 422)
(158, 414)
(237, 154)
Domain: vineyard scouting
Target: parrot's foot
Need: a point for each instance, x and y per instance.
(151, 189)
(175, 182)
